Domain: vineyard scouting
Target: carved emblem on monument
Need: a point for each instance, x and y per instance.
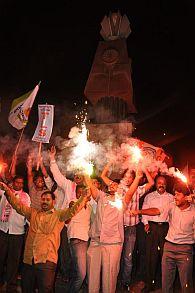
(109, 86)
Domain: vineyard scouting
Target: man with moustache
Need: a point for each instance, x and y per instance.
(156, 228)
(178, 247)
(43, 239)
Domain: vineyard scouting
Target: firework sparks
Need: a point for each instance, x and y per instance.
(135, 153)
(181, 176)
(176, 173)
(117, 203)
(83, 150)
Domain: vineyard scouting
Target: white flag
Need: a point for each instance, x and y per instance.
(45, 124)
(20, 109)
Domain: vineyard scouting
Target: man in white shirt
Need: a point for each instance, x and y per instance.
(156, 228)
(78, 236)
(12, 235)
(66, 192)
(178, 248)
(107, 235)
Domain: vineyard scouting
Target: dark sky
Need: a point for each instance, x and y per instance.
(56, 43)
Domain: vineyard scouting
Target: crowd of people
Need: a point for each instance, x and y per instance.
(95, 232)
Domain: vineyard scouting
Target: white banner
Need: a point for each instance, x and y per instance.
(45, 124)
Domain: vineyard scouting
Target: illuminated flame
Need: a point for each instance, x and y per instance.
(180, 175)
(2, 166)
(88, 168)
(117, 203)
(82, 152)
(136, 153)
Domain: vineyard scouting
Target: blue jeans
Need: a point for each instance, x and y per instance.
(78, 249)
(127, 253)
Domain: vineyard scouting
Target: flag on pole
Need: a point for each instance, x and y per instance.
(45, 125)
(20, 109)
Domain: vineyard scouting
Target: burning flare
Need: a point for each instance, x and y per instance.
(82, 152)
(117, 203)
(176, 173)
(136, 153)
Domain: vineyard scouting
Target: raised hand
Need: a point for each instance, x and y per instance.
(52, 153)
(29, 161)
(3, 186)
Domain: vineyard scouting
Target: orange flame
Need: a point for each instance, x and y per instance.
(180, 175)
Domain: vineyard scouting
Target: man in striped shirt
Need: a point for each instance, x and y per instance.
(130, 224)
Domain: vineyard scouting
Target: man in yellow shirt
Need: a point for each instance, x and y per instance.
(43, 239)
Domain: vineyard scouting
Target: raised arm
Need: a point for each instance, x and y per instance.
(67, 214)
(133, 187)
(60, 179)
(150, 180)
(93, 188)
(15, 202)
(104, 174)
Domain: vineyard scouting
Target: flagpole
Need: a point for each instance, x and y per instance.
(16, 149)
(39, 156)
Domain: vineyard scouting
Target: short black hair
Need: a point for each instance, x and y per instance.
(181, 187)
(49, 192)
(36, 176)
(159, 176)
(116, 181)
(18, 177)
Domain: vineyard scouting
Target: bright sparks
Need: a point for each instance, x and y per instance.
(82, 152)
(88, 168)
(136, 153)
(180, 175)
(117, 203)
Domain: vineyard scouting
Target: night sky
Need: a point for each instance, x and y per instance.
(56, 43)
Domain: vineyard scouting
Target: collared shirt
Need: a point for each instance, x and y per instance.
(43, 237)
(16, 222)
(107, 226)
(80, 224)
(154, 199)
(181, 224)
(68, 186)
(134, 205)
